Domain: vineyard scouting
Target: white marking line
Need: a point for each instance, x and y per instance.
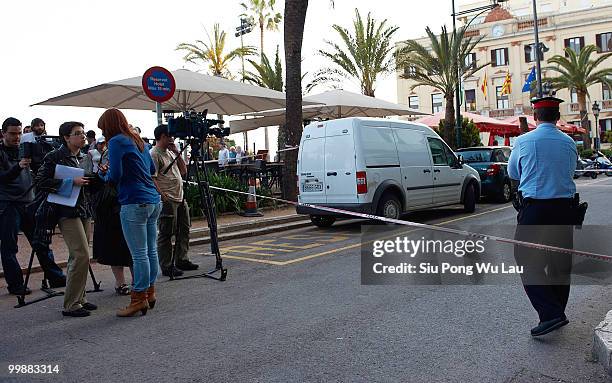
(594, 182)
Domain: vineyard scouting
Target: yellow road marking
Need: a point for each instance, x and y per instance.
(305, 258)
(275, 263)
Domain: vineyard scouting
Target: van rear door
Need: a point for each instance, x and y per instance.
(340, 177)
(311, 176)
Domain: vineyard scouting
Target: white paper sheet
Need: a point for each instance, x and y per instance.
(64, 172)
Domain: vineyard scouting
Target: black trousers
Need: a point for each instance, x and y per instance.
(546, 274)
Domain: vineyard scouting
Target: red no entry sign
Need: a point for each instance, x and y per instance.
(158, 84)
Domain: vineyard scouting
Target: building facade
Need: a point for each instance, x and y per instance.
(508, 44)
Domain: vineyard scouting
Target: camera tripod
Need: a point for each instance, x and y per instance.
(21, 302)
(208, 204)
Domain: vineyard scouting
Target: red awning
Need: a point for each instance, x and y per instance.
(483, 123)
(562, 125)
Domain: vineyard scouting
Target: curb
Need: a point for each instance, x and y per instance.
(227, 232)
(602, 343)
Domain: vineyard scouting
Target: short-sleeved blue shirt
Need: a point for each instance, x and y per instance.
(544, 161)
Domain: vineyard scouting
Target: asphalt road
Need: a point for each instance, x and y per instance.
(293, 310)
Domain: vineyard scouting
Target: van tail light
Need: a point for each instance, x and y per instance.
(493, 169)
(362, 183)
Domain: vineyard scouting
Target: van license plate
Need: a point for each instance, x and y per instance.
(313, 187)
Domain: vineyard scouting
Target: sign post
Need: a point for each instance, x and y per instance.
(159, 85)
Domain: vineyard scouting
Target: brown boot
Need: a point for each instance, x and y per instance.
(151, 296)
(138, 303)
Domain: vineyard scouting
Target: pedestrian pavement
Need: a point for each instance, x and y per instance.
(224, 222)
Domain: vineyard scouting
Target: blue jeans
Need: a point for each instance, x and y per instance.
(139, 224)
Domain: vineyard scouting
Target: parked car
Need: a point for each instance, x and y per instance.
(379, 166)
(491, 162)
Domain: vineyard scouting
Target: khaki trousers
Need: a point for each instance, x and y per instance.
(75, 232)
(174, 222)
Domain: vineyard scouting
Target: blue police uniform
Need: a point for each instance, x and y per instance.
(543, 161)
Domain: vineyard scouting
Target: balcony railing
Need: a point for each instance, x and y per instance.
(606, 104)
(528, 24)
(497, 113)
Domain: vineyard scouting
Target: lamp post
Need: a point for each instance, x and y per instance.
(480, 10)
(244, 28)
(596, 110)
(537, 47)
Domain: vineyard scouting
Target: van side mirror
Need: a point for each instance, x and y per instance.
(460, 161)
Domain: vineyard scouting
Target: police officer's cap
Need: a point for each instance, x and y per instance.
(546, 102)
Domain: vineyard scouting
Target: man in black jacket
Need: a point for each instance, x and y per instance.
(16, 193)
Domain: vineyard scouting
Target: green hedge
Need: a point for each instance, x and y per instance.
(225, 202)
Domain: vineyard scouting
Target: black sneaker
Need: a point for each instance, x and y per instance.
(548, 326)
(166, 272)
(20, 291)
(89, 306)
(76, 313)
(187, 265)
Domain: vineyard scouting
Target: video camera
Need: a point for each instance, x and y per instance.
(37, 150)
(195, 125)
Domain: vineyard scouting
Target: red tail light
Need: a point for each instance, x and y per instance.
(362, 183)
(493, 169)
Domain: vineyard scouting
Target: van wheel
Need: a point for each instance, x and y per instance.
(469, 199)
(322, 221)
(506, 193)
(389, 207)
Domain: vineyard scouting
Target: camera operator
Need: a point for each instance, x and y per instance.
(16, 193)
(174, 218)
(37, 127)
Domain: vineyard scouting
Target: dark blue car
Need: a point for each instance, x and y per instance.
(491, 162)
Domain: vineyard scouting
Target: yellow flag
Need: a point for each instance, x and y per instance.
(507, 87)
(483, 87)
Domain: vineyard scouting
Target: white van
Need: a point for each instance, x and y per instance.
(379, 166)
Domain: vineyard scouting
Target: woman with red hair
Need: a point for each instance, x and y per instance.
(130, 168)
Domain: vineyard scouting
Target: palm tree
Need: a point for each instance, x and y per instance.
(365, 54)
(267, 75)
(213, 53)
(262, 13)
(579, 72)
(291, 133)
(437, 66)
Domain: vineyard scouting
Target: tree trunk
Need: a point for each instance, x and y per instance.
(291, 132)
(584, 120)
(449, 121)
(261, 40)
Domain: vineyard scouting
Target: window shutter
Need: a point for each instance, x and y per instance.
(581, 43)
(506, 57)
(566, 43)
(598, 42)
(493, 58)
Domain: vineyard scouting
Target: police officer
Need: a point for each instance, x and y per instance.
(543, 162)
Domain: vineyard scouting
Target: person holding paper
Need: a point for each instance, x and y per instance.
(131, 169)
(73, 221)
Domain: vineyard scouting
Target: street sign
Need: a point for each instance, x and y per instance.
(158, 84)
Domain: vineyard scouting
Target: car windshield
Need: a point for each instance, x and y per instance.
(479, 155)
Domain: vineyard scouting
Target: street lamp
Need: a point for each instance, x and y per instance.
(245, 27)
(494, 4)
(596, 110)
(537, 44)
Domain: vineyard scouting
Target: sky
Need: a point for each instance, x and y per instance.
(54, 47)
